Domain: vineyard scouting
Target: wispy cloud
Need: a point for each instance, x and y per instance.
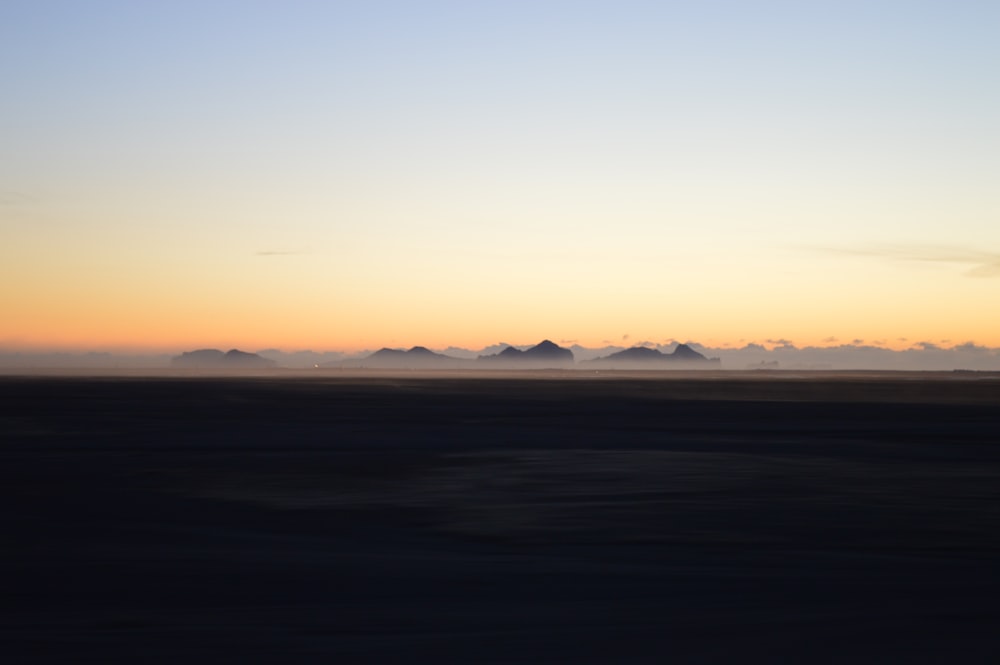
(12, 198)
(983, 264)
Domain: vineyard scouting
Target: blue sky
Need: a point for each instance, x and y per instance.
(808, 169)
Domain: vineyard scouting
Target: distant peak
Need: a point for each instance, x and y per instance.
(547, 349)
(685, 351)
(216, 358)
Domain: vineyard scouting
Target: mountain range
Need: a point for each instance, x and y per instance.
(418, 357)
(544, 355)
(857, 355)
(215, 359)
(641, 357)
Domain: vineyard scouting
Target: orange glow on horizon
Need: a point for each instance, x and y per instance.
(165, 342)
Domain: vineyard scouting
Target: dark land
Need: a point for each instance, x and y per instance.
(534, 517)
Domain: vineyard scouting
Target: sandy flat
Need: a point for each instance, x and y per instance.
(547, 517)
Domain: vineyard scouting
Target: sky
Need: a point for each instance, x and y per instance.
(348, 175)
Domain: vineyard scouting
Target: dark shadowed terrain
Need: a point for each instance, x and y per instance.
(563, 517)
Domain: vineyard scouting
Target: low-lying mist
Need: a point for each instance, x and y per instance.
(845, 357)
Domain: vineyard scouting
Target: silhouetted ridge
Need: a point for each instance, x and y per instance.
(423, 350)
(418, 357)
(215, 359)
(641, 357)
(685, 352)
(638, 353)
(387, 353)
(547, 349)
(200, 356)
(545, 354)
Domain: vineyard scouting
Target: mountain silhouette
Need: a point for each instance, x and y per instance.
(642, 357)
(216, 359)
(509, 353)
(685, 352)
(418, 357)
(637, 353)
(545, 354)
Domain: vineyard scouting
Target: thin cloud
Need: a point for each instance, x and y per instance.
(986, 270)
(12, 198)
(984, 264)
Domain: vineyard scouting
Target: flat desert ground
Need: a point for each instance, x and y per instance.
(571, 517)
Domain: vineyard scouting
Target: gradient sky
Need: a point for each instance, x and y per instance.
(343, 175)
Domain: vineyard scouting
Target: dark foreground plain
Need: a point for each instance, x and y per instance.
(562, 517)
